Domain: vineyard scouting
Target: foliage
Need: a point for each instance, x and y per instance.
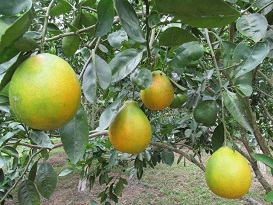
(213, 50)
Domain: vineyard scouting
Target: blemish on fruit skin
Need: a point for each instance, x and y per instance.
(15, 98)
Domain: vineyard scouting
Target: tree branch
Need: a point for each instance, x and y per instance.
(265, 77)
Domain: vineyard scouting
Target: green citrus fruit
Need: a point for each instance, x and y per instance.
(228, 174)
(178, 100)
(130, 131)
(44, 92)
(206, 112)
(160, 94)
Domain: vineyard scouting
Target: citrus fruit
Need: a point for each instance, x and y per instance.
(206, 112)
(228, 174)
(130, 131)
(160, 94)
(178, 100)
(44, 92)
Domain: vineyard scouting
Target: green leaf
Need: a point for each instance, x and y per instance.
(129, 20)
(70, 44)
(236, 106)
(227, 49)
(41, 138)
(120, 186)
(8, 68)
(25, 44)
(89, 83)
(46, 179)
(113, 159)
(74, 136)
(167, 157)
(33, 171)
(262, 4)
(269, 38)
(199, 13)
(11, 30)
(141, 77)
(186, 54)
(124, 63)
(253, 26)
(245, 89)
(106, 13)
(108, 114)
(66, 172)
(218, 137)
(11, 151)
(62, 7)
(269, 196)
(268, 161)
(28, 194)
(175, 36)
(93, 202)
(250, 58)
(9, 8)
(116, 38)
(103, 72)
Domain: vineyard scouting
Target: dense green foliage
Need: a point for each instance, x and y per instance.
(211, 50)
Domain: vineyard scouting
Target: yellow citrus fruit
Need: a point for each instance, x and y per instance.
(44, 92)
(160, 94)
(228, 174)
(130, 131)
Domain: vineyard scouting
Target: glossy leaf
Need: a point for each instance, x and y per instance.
(199, 13)
(175, 36)
(9, 8)
(268, 161)
(141, 77)
(46, 179)
(167, 157)
(28, 194)
(89, 83)
(106, 13)
(262, 3)
(62, 7)
(116, 38)
(217, 139)
(124, 63)
(74, 136)
(70, 44)
(250, 57)
(187, 53)
(129, 20)
(41, 138)
(103, 72)
(108, 114)
(66, 172)
(237, 108)
(253, 26)
(245, 89)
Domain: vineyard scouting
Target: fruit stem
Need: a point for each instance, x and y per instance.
(45, 26)
(220, 83)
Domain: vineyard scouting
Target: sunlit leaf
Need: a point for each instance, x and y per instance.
(253, 26)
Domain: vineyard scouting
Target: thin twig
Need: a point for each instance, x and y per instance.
(45, 26)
